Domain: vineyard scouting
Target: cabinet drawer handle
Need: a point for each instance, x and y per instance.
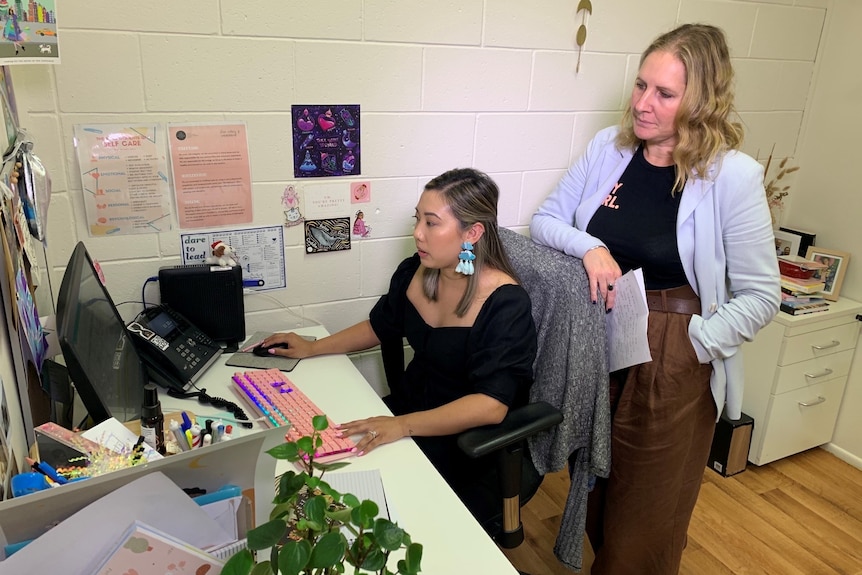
(820, 399)
(835, 343)
(823, 373)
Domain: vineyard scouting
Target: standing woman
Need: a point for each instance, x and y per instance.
(667, 191)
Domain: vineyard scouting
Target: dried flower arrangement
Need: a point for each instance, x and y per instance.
(776, 189)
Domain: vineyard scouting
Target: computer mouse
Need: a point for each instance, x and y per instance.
(263, 351)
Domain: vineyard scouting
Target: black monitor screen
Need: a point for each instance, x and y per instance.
(103, 364)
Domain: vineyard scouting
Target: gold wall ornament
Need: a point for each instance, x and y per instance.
(581, 37)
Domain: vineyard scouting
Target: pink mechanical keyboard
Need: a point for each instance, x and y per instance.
(281, 403)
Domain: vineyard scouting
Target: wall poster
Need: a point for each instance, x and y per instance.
(259, 251)
(123, 178)
(211, 173)
(325, 140)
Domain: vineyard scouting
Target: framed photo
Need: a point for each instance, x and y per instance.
(833, 275)
(786, 244)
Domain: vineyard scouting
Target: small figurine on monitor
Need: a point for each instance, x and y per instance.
(222, 255)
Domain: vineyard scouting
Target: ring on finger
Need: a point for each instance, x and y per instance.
(373, 434)
(610, 287)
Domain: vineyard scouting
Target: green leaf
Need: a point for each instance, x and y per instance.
(315, 509)
(340, 515)
(328, 551)
(282, 510)
(319, 422)
(285, 451)
(413, 558)
(305, 445)
(290, 484)
(239, 564)
(312, 482)
(370, 508)
(294, 556)
(351, 500)
(388, 535)
(262, 568)
(375, 560)
(324, 467)
(266, 535)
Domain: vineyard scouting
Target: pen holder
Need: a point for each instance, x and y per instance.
(27, 483)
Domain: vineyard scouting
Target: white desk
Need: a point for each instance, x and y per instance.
(420, 500)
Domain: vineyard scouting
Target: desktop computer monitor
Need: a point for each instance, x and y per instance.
(102, 361)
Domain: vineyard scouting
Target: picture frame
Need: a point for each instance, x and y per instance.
(833, 275)
(786, 244)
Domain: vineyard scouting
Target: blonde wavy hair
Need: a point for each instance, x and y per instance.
(702, 121)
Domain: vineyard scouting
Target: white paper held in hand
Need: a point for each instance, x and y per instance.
(626, 325)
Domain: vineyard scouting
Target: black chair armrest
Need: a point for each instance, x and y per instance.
(518, 424)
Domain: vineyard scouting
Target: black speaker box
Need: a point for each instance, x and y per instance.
(210, 297)
(730, 445)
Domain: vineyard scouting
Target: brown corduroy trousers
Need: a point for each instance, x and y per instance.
(663, 421)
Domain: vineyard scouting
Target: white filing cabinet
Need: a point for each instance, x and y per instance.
(795, 372)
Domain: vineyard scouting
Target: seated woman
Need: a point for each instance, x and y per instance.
(458, 303)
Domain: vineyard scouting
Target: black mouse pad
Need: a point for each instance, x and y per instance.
(248, 359)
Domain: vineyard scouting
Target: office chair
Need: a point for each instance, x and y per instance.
(519, 479)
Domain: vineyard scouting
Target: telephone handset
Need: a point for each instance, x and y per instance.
(176, 352)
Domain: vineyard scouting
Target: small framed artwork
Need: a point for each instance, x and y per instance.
(786, 244)
(833, 274)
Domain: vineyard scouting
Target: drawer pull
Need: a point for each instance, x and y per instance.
(820, 399)
(835, 343)
(823, 373)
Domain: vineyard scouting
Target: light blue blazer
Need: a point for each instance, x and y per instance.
(726, 244)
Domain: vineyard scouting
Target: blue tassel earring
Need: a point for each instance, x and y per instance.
(466, 257)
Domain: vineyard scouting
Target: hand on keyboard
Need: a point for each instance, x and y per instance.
(378, 431)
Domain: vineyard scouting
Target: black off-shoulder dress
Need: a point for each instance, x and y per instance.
(494, 357)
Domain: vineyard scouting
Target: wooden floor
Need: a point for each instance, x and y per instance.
(797, 516)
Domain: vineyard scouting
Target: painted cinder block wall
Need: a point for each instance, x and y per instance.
(483, 83)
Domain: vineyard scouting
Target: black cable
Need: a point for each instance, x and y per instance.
(144, 287)
(218, 402)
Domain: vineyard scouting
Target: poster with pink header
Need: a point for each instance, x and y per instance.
(211, 174)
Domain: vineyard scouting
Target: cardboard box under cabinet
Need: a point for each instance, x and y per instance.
(730, 444)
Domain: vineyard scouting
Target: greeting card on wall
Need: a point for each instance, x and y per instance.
(328, 235)
(123, 178)
(211, 172)
(325, 140)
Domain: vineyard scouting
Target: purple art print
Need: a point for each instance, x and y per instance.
(325, 140)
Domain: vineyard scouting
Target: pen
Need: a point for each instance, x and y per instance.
(189, 438)
(187, 422)
(208, 439)
(138, 450)
(47, 471)
(179, 436)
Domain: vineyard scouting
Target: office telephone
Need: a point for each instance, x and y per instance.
(175, 352)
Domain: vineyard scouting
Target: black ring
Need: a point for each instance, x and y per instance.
(610, 287)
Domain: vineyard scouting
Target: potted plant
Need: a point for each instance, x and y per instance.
(304, 531)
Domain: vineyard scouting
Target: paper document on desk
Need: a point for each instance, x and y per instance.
(364, 485)
(626, 325)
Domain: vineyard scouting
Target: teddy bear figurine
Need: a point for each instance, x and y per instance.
(222, 255)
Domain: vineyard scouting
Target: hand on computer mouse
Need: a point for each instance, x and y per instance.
(263, 350)
(288, 344)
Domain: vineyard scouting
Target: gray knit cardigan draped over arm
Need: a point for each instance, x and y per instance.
(570, 373)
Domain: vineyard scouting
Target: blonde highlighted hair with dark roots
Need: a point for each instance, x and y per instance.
(703, 120)
(472, 197)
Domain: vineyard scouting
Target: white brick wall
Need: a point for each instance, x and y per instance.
(484, 83)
